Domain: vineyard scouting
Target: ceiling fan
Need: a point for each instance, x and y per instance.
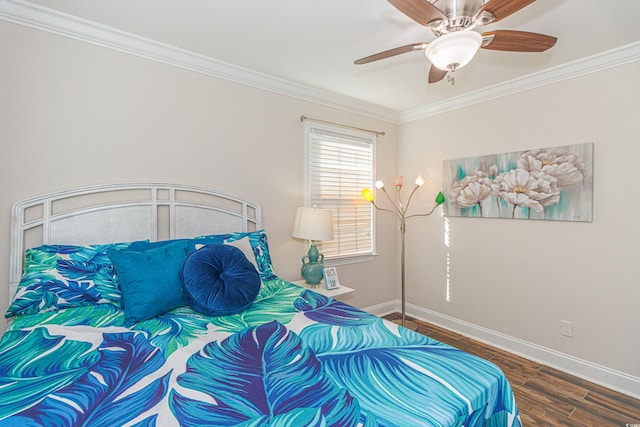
(453, 23)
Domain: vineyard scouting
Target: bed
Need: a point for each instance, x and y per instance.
(93, 341)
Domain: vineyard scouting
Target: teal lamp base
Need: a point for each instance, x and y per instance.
(312, 266)
(312, 273)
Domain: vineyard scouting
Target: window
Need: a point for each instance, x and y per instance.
(339, 164)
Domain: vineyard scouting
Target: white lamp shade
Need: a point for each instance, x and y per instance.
(313, 224)
(453, 50)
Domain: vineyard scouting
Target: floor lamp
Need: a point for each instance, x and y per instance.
(400, 212)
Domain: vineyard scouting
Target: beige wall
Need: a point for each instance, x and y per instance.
(521, 278)
(73, 114)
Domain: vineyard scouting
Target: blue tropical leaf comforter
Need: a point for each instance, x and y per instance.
(294, 358)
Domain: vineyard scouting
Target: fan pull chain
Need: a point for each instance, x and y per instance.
(451, 78)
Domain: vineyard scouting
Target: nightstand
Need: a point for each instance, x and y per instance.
(322, 290)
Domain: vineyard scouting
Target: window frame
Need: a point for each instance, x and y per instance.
(347, 134)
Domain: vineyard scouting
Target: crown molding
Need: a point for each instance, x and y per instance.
(28, 14)
(41, 18)
(591, 64)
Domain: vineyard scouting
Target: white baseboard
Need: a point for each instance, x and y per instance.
(607, 377)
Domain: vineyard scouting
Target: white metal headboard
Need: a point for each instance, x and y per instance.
(122, 213)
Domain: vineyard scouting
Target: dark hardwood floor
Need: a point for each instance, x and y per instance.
(547, 396)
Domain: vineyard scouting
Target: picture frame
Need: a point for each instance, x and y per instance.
(331, 280)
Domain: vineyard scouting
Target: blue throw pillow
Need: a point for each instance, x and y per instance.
(144, 245)
(150, 279)
(219, 280)
(258, 242)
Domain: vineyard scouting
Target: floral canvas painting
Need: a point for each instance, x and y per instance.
(543, 184)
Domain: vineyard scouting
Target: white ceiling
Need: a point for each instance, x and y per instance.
(314, 43)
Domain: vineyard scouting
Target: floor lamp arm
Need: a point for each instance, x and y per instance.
(400, 213)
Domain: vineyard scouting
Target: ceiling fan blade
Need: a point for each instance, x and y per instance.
(436, 74)
(517, 41)
(420, 11)
(391, 52)
(500, 9)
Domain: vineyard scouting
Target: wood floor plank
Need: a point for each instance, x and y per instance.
(551, 417)
(542, 400)
(616, 402)
(529, 421)
(559, 388)
(517, 370)
(598, 419)
(567, 377)
(546, 396)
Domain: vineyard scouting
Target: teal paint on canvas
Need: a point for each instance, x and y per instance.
(544, 184)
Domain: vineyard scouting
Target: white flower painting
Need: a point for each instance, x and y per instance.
(544, 184)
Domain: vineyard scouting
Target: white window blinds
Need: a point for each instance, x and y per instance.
(339, 165)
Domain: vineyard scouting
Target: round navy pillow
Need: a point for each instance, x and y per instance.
(219, 280)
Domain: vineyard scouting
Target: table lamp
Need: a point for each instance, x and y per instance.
(315, 225)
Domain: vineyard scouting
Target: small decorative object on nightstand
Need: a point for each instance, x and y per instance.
(314, 225)
(331, 278)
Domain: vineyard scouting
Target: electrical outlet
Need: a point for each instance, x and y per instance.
(566, 328)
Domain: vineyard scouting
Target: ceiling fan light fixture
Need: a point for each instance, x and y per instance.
(453, 50)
